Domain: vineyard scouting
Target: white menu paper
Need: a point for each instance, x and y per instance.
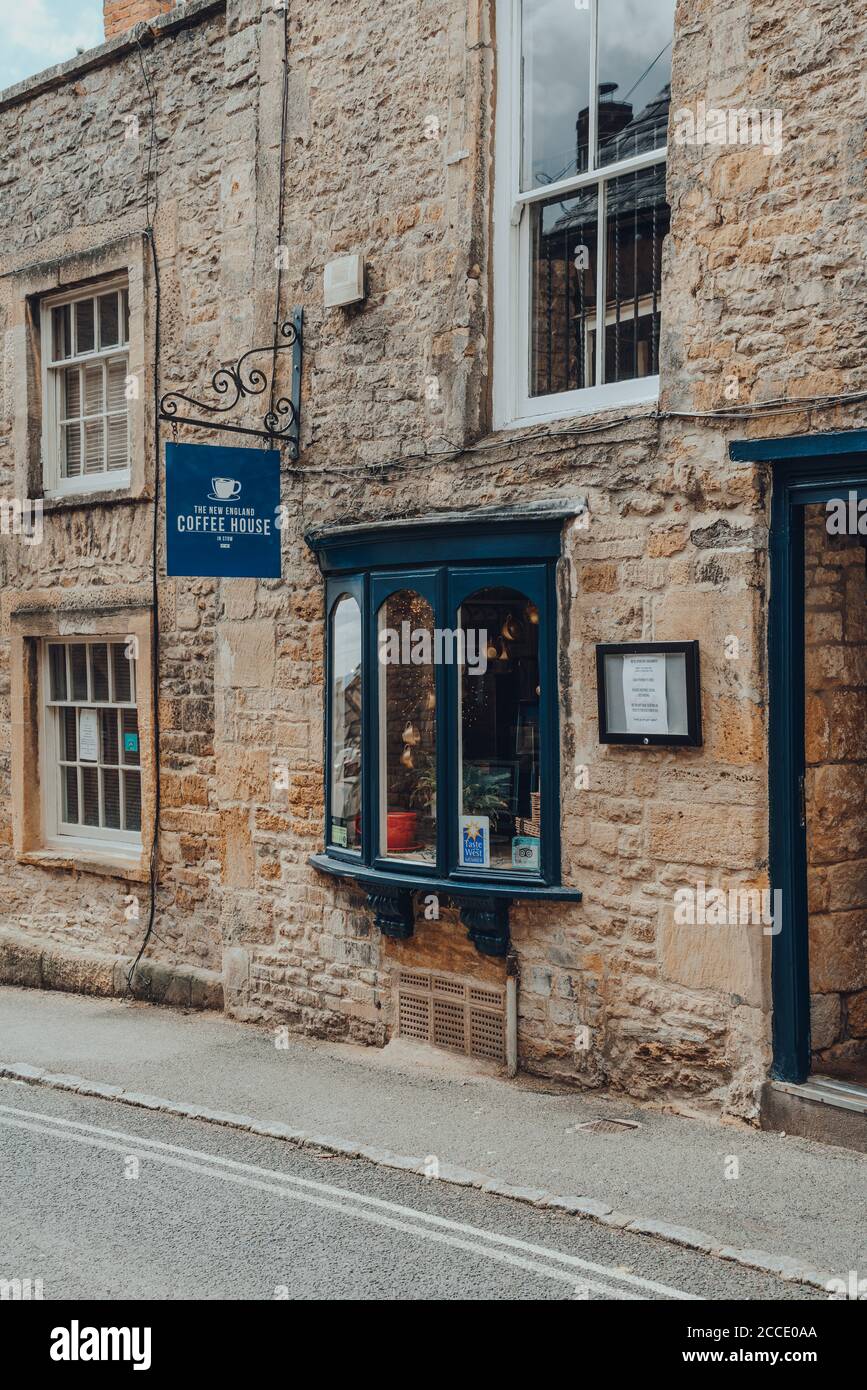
(88, 736)
(644, 694)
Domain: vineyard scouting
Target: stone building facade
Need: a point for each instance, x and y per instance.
(153, 163)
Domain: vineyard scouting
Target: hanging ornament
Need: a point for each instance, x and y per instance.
(511, 629)
(532, 613)
(503, 654)
(411, 735)
(406, 758)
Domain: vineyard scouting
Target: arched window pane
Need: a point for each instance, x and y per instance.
(344, 832)
(407, 729)
(500, 786)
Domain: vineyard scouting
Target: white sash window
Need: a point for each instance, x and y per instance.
(580, 209)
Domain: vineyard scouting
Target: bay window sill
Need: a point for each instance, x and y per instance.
(484, 903)
(500, 887)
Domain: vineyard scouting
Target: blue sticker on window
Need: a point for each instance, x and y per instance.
(475, 842)
(130, 743)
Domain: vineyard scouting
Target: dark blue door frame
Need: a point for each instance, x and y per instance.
(805, 469)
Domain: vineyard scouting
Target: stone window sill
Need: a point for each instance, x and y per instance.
(130, 867)
(74, 501)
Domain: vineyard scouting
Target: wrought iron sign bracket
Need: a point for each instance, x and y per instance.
(282, 422)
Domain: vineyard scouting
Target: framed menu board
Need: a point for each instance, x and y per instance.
(649, 693)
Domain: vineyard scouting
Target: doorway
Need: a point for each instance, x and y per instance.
(818, 759)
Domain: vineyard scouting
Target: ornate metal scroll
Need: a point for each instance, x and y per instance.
(282, 421)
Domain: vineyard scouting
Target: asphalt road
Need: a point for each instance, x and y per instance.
(102, 1201)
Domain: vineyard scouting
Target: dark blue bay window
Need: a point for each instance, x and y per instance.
(442, 738)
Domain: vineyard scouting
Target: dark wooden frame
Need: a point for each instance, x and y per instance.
(693, 737)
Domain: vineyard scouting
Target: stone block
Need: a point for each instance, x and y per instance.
(838, 951)
(731, 837)
(246, 654)
(856, 1014)
(20, 962)
(243, 773)
(825, 1017)
(237, 855)
(730, 959)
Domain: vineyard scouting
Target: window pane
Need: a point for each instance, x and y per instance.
(108, 739)
(94, 446)
(57, 671)
(118, 445)
(116, 394)
(563, 293)
(634, 76)
(122, 673)
(637, 218)
(93, 396)
(71, 406)
(111, 799)
(61, 332)
(118, 430)
(78, 670)
(71, 451)
(132, 800)
(499, 731)
(109, 323)
(99, 671)
(70, 795)
(69, 735)
(130, 745)
(555, 64)
(407, 727)
(90, 795)
(124, 300)
(345, 828)
(85, 335)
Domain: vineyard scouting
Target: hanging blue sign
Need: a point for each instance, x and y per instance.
(222, 510)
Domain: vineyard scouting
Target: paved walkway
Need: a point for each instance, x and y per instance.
(798, 1204)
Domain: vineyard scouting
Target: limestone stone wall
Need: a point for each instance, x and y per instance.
(762, 279)
(836, 788)
(74, 188)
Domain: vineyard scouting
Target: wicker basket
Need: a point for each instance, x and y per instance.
(531, 825)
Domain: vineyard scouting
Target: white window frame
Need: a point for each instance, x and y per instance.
(54, 483)
(60, 835)
(513, 404)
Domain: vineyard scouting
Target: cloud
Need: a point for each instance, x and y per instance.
(36, 34)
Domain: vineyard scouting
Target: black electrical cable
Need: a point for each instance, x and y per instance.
(155, 624)
(284, 121)
(758, 410)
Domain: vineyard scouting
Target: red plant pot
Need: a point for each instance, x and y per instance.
(402, 830)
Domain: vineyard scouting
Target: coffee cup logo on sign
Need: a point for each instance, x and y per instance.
(224, 489)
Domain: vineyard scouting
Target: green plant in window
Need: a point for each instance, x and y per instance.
(482, 790)
(424, 790)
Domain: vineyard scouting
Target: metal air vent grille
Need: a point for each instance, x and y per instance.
(451, 1013)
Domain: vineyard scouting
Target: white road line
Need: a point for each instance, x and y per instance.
(345, 1208)
(344, 1195)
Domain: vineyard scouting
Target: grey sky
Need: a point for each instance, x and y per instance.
(36, 34)
(556, 42)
